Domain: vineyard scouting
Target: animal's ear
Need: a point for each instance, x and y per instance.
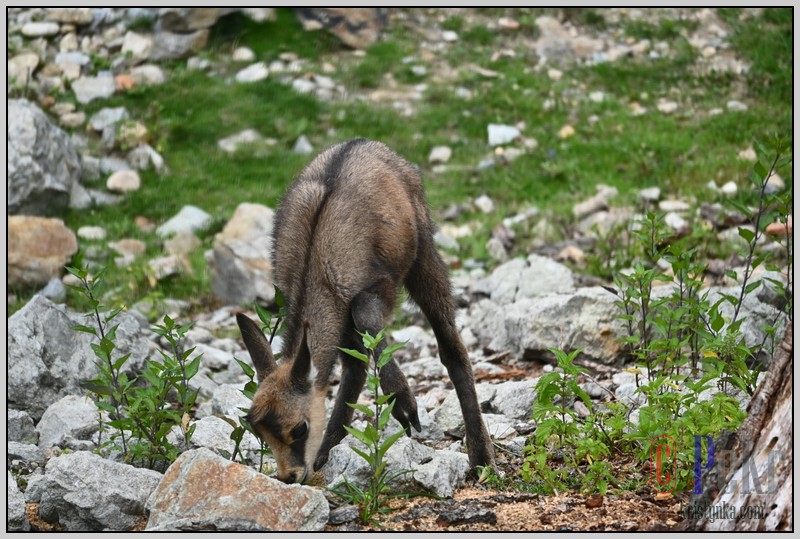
(301, 367)
(257, 345)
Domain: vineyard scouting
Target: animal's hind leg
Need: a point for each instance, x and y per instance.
(368, 310)
(429, 286)
(353, 376)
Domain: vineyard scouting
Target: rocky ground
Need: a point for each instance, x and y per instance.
(508, 317)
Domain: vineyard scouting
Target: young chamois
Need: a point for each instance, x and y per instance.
(352, 228)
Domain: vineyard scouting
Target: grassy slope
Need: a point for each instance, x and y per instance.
(680, 152)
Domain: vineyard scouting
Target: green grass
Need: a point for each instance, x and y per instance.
(681, 152)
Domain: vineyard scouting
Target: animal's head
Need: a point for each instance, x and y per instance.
(288, 412)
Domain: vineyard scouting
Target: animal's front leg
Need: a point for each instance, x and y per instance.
(353, 377)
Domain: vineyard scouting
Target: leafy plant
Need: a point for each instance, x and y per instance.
(141, 410)
(373, 500)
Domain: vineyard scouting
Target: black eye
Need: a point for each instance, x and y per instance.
(300, 430)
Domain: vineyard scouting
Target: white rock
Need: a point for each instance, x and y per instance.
(673, 205)
(651, 194)
(21, 65)
(775, 184)
(88, 89)
(449, 36)
(148, 75)
(40, 29)
(597, 97)
(667, 107)
(303, 146)
(165, 266)
(501, 134)
(232, 143)
(675, 221)
(554, 74)
(137, 45)
(92, 232)
(124, 181)
(729, 189)
(440, 154)
(189, 219)
(243, 54)
(485, 204)
(303, 86)
(253, 73)
(748, 154)
(734, 105)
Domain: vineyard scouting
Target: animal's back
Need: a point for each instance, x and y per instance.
(355, 212)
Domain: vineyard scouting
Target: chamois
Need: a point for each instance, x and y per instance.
(351, 229)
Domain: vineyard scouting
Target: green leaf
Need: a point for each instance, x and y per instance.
(390, 440)
(192, 367)
(362, 408)
(85, 329)
(96, 388)
(80, 273)
(356, 354)
(264, 315)
(747, 234)
(248, 370)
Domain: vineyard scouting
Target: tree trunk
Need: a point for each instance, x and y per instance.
(749, 488)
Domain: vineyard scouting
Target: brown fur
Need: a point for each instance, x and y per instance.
(352, 228)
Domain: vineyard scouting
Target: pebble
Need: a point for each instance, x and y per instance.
(148, 75)
(440, 154)
(566, 132)
(778, 229)
(485, 204)
(667, 107)
(71, 120)
(729, 189)
(597, 97)
(87, 89)
(748, 154)
(449, 36)
(676, 222)
(650, 194)
(673, 205)
(734, 105)
(165, 266)
(40, 29)
(775, 184)
(554, 74)
(243, 54)
(508, 23)
(501, 134)
(92, 233)
(253, 73)
(303, 146)
(124, 181)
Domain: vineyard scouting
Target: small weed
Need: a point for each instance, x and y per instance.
(373, 500)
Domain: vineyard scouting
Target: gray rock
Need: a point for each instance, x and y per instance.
(514, 399)
(241, 263)
(73, 57)
(416, 337)
(55, 291)
(87, 89)
(585, 319)
(167, 45)
(438, 472)
(189, 219)
(501, 134)
(449, 417)
(430, 430)
(28, 453)
(303, 146)
(79, 16)
(107, 117)
(46, 353)
(19, 427)
(203, 491)
(42, 162)
(213, 433)
(243, 54)
(500, 427)
(628, 394)
(184, 19)
(228, 400)
(70, 418)
(356, 27)
(144, 156)
(84, 492)
(148, 75)
(525, 278)
(16, 517)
